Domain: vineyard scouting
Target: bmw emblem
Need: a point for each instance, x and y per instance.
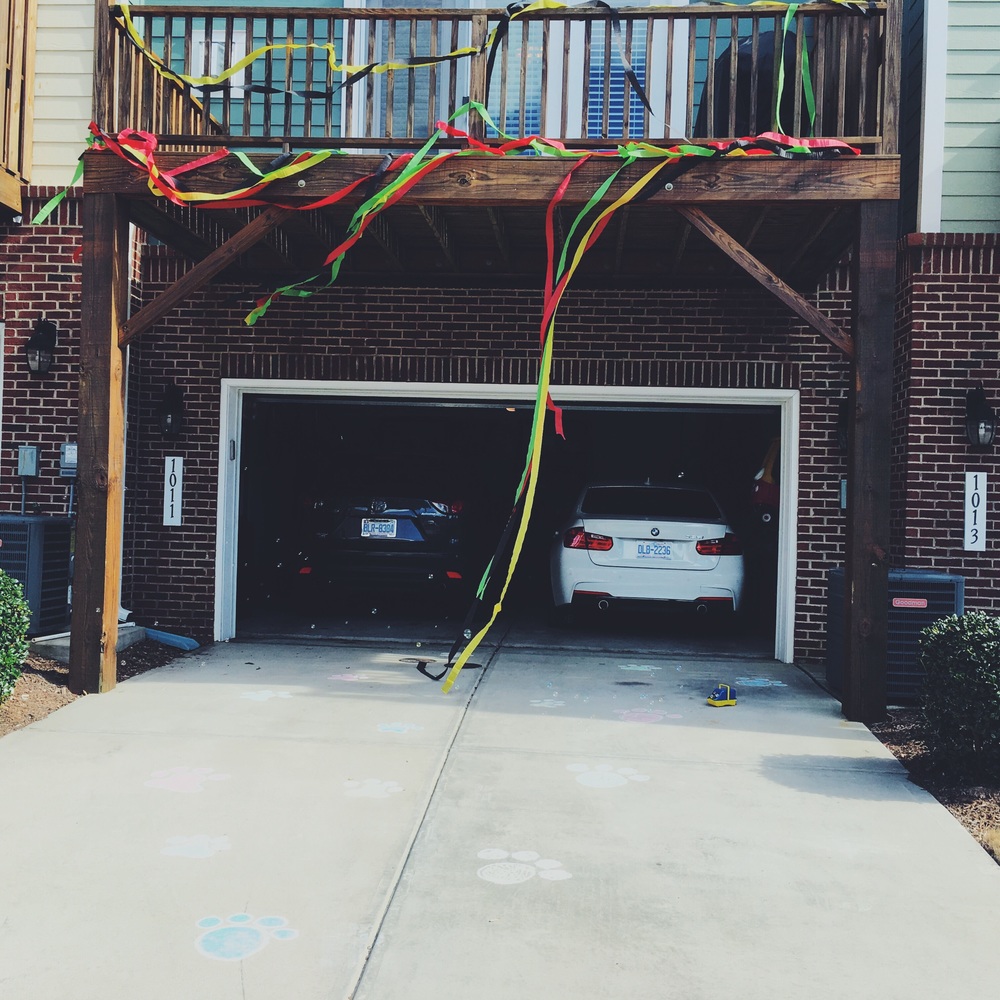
(655, 532)
(377, 506)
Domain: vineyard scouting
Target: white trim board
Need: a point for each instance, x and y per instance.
(233, 392)
(932, 117)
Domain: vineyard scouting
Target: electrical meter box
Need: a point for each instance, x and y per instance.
(67, 459)
(27, 460)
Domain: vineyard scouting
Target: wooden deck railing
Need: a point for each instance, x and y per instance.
(707, 72)
(17, 43)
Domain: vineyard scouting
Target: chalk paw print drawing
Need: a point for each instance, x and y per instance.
(265, 695)
(184, 779)
(510, 868)
(371, 788)
(240, 936)
(200, 845)
(647, 714)
(640, 714)
(605, 775)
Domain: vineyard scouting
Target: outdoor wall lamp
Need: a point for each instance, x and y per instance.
(980, 420)
(171, 410)
(41, 347)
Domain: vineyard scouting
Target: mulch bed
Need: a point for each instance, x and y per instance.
(972, 798)
(41, 688)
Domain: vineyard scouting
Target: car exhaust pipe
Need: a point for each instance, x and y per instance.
(603, 605)
(701, 609)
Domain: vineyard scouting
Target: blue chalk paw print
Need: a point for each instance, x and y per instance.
(239, 936)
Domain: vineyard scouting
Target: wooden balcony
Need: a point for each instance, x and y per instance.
(17, 45)
(701, 72)
(371, 82)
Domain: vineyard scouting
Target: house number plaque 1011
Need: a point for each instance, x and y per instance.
(173, 489)
(975, 511)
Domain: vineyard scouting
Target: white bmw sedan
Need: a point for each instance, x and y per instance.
(647, 543)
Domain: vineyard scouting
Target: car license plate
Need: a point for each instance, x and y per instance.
(652, 550)
(378, 527)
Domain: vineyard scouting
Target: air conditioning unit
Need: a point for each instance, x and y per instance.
(36, 551)
(917, 598)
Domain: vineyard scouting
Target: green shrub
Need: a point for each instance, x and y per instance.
(961, 695)
(14, 618)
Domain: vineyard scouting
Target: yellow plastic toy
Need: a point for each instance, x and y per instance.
(722, 696)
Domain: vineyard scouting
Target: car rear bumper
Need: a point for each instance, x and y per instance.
(638, 585)
(392, 570)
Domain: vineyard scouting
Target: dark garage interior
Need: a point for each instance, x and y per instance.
(297, 450)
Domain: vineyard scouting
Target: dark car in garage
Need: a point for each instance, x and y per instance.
(385, 541)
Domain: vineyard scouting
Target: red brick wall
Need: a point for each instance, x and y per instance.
(40, 280)
(948, 339)
(952, 282)
(737, 339)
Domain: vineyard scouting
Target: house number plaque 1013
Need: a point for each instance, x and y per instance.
(975, 511)
(173, 489)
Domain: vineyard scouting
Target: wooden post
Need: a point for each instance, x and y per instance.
(101, 436)
(892, 47)
(866, 576)
(104, 68)
(477, 76)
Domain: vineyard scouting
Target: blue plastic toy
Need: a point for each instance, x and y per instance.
(722, 696)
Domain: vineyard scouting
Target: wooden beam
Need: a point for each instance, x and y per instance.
(818, 230)
(496, 224)
(497, 181)
(755, 228)
(101, 437)
(622, 233)
(869, 437)
(682, 243)
(265, 256)
(382, 233)
(203, 272)
(765, 276)
(309, 238)
(10, 193)
(438, 226)
(168, 230)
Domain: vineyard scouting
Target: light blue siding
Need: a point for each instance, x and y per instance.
(971, 181)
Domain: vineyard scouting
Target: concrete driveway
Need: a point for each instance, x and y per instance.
(285, 822)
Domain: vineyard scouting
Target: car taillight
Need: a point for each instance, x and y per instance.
(577, 538)
(455, 507)
(728, 546)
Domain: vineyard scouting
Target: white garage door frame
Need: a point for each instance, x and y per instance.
(234, 391)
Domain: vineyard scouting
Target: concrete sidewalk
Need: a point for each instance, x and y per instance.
(287, 822)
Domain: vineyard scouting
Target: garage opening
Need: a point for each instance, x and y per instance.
(300, 455)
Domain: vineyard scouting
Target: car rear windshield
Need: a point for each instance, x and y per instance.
(650, 501)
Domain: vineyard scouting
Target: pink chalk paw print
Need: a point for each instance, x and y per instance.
(184, 779)
(265, 695)
(639, 714)
(371, 788)
(605, 775)
(645, 715)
